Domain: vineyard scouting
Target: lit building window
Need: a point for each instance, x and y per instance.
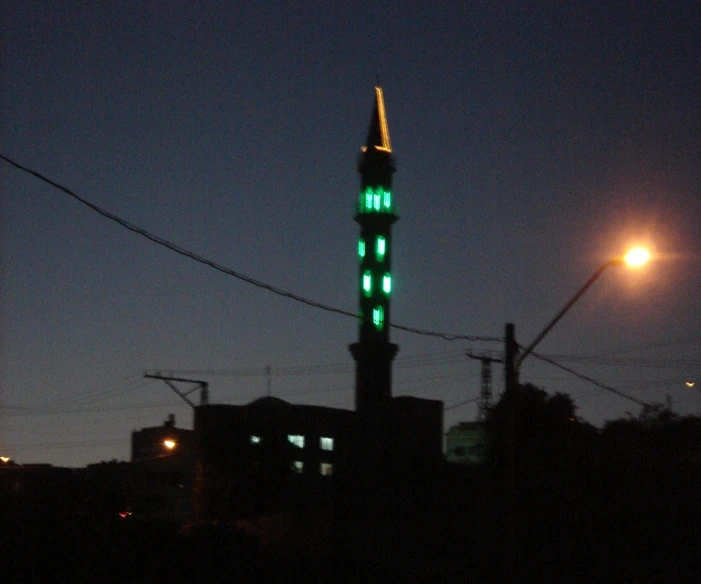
(361, 248)
(326, 469)
(297, 466)
(297, 440)
(326, 443)
(381, 247)
(387, 202)
(254, 439)
(376, 200)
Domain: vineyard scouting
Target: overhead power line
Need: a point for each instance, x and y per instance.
(460, 404)
(591, 380)
(637, 362)
(198, 258)
(409, 361)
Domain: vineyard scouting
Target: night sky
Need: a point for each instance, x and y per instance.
(533, 142)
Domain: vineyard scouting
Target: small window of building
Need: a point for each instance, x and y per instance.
(297, 466)
(296, 439)
(326, 443)
(326, 469)
(254, 439)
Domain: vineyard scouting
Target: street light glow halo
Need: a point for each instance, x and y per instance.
(637, 257)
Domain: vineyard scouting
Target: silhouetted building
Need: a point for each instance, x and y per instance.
(159, 441)
(267, 456)
(271, 455)
(466, 443)
(28, 481)
(159, 480)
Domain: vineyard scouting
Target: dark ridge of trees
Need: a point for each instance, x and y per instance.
(657, 437)
(618, 504)
(541, 435)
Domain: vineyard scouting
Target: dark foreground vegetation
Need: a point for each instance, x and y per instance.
(572, 504)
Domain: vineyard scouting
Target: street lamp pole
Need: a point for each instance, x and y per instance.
(512, 365)
(594, 277)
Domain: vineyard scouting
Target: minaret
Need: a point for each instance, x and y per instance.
(373, 353)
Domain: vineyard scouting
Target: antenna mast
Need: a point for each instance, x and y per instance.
(485, 398)
(203, 385)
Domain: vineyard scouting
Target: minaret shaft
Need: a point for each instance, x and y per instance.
(375, 215)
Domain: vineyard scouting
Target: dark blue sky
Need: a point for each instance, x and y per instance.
(532, 142)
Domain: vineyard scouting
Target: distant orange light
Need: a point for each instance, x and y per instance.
(637, 257)
(169, 444)
(690, 383)
(5, 458)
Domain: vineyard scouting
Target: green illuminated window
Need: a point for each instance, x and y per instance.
(367, 282)
(381, 247)
(378, 317)
(374, 200)
(361, 248)
(387, 283)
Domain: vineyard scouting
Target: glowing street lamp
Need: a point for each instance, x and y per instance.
(169, 444)
(636, 257)
(692, 385)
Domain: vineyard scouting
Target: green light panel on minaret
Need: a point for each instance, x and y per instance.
(368, 200)
(378, 317)
(380, 247)
(367, 283)
(361, 247)
(387, 283)
(375, 200)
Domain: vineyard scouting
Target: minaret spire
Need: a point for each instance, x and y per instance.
(375, 215)
(378, 134)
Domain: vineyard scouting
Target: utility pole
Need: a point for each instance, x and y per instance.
(202, 385)
(511, 397)
(485, 398)
(511, 360)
